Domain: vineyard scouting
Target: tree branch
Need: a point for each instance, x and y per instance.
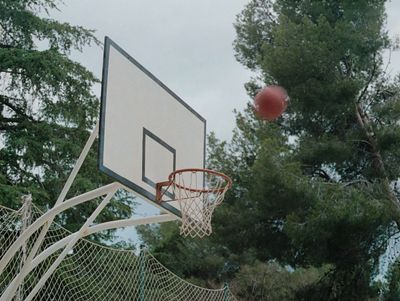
(379, 165)
(323, 174)
(373, 73)
(5, 100)
(7, 127)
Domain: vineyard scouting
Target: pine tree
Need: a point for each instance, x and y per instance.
(342, 116)
(318, 187)
(47, 109)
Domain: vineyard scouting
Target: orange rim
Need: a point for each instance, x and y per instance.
(228, 180)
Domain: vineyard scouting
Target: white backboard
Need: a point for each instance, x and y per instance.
(146, 130)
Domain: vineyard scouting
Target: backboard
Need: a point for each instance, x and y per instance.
(146, 130)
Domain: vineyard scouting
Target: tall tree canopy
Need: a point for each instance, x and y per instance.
(318, 187)
(47, 109)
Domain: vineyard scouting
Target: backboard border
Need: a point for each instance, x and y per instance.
(139, 190)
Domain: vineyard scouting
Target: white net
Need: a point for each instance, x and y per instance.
(92, 271)
(198, 193)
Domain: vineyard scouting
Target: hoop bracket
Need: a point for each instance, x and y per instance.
(159, 193)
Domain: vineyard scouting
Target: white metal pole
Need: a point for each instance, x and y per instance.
(78, 164)
(49, 216)
(10, 291)
(26, 220)
(132, 222)
(98, 228)
(65, 189)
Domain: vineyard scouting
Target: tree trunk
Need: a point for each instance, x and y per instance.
(379, 166)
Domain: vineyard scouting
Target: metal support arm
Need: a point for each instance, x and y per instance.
(11, 289)
(98, 228)
(50, 216)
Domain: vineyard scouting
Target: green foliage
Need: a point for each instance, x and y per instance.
(270, 281)
(47, 110)
(317, 188)
(199, 260)
(392, 289)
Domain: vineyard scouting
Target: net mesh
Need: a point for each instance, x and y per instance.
(196, 201)
(91, 271)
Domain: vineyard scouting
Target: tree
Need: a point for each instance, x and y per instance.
(270, 281)
(392, 291)
(47, 110)
(328, 55)
(317, 187)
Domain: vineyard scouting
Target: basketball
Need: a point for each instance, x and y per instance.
(271, 102)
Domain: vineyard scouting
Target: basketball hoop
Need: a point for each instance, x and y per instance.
(198, 191)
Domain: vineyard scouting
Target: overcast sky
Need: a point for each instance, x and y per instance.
(186, 44)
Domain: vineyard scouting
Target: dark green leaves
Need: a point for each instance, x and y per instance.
(48, 110)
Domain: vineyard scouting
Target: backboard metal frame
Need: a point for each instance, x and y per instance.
(148, 196)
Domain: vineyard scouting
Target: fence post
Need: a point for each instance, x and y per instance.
(26, 219)
(142, 276)
(226, 291)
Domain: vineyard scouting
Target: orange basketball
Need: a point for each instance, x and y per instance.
(271, 102)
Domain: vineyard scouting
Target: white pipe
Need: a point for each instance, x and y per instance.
(89, 231)
(70, 245)
(11, 289)
(131, 222)
(65, 189)
(98, 228)
(50, 251)
(78, 164)
(50, 215)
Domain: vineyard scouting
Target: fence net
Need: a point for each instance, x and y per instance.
(91, 271)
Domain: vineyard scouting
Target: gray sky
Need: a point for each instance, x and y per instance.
(186, 44)
(393, 26)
